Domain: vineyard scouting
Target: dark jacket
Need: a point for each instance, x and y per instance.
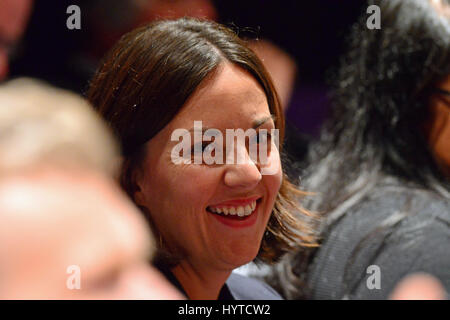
(398, 229)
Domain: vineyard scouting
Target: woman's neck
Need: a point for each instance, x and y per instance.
(200, 283)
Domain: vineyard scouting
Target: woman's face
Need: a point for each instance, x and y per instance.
(438, 126)
(181, 198)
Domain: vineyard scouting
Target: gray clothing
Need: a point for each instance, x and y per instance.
(396, 228)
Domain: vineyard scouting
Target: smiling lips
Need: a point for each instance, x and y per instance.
(240, 211)
(236, 208)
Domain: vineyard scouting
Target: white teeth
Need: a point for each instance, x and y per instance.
(239, 211)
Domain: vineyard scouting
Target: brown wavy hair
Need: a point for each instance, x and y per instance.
(147, 77)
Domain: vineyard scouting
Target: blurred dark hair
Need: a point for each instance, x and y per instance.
(381, 98)
(146, 79)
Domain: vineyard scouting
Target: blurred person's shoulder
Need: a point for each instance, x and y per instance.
(396, 227)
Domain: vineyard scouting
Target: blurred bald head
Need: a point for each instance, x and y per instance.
(42, 125)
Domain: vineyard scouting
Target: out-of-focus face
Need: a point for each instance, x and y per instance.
(50, 221)
(438, 126)
(182, 198)
(13, 18)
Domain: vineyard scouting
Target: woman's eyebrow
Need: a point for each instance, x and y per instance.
(260, 122)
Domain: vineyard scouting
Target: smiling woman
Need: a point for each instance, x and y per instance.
(210, 219)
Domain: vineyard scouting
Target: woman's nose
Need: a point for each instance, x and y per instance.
(242, 175)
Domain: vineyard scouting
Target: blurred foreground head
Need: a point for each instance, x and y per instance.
(66, 231)
(44, 126)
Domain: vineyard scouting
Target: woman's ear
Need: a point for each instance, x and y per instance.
(138, 197)
(138, 194)
(131, 181)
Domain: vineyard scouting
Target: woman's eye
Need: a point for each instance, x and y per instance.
(200, 147)
(206, 153)
(261, 137)
(262, 142)
(202, 151)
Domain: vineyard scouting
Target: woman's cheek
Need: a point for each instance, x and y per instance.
(272, 173)
(196, 182)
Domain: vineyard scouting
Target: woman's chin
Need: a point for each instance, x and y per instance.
(237, 261)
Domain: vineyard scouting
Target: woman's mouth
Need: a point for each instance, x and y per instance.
(236, 212)
(240, 211)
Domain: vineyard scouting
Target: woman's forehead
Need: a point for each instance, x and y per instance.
(231, 93)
